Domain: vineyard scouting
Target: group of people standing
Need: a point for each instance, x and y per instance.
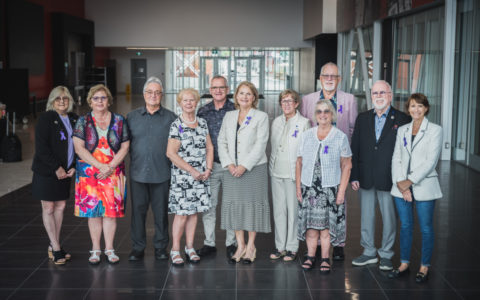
(179, 163)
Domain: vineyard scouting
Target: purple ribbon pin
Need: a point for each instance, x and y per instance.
(404, 142)
(62, 135)
(325, 150)
(295, 133)
(341, 109)
(180, 128)
(248, 120)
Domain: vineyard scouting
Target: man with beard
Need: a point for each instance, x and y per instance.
(346, 108)
(373, 142)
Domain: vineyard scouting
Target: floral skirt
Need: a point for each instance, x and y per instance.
(99, 198)
(318, 210)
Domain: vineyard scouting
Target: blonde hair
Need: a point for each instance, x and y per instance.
(329, 104)
(57, 92)
(252, 88)
(99, 88)
(190, 91)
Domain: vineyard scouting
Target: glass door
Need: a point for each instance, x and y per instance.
(466, 113)
(212, 66)
(250, 69)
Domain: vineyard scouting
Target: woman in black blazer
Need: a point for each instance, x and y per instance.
(54, 165)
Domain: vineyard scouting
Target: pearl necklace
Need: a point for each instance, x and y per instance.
(188, 122)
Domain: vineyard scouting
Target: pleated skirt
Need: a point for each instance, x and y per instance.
(245, 201)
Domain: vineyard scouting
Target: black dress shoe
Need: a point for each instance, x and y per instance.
(161, 254)
(397, 273)
(231, 251)
(338, 254)
(206, 250)
(421, 277)
(136, 255)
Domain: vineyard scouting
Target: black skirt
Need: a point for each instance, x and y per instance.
(49, 188)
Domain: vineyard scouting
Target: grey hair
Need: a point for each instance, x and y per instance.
(55, 93)
(220, 77)
(152, 79)
(331, 64)
(384, 82)
(329, 104)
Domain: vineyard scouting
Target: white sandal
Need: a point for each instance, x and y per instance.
(112, 257)
(177, 262)
(94, 258)
(191, 255)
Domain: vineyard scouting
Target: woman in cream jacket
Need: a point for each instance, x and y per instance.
(285, 134)
(417, 150)
(241, 148)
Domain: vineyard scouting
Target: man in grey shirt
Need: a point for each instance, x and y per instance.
(149, 126)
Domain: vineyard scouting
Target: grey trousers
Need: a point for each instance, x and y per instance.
(285, 213)
(368, 199)
(143, 195)
(209, 217)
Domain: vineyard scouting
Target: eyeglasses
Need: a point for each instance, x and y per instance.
(287, 101)
(99, 98)
(329, 76)
(153, 93)
(381, 93)
(64, 99)
(319, 111)
(221, 88)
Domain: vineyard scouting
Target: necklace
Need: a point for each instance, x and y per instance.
(188, 122)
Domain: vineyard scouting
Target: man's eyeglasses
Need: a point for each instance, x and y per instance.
(329, 76)
(99, 98)
(381, 93)
(221, 88)
(64, 99)
(153, 93)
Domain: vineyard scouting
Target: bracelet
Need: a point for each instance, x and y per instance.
(210, 169)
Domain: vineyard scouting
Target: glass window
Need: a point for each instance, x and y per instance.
(418, 59)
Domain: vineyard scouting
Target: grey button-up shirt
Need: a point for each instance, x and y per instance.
(148, 144)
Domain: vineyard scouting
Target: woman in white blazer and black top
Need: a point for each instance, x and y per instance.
(242, 142)
(285, 134)
(416, 154)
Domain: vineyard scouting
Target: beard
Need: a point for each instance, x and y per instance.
(329, 87)
(380, 106)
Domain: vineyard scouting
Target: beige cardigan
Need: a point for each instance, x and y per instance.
(251, 142)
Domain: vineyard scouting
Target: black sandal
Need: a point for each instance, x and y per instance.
(308, 267)
(67, 255)
(277, 254)
(290, 256)
(327, 260)
(58, 257)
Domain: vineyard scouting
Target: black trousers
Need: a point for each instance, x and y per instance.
(143, 195)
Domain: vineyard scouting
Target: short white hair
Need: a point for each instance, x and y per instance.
(57, 92)
(384, 82)
(152, 79)
(329, 104)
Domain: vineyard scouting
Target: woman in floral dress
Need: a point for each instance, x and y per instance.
(101, 141)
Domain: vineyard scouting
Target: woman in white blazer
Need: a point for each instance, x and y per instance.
(285, 134)
(242, 142)
(416, 154)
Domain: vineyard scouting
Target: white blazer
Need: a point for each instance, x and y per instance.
(251, 141)
(422, 156)
(299, 125)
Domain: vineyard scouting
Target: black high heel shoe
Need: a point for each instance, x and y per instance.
(421, 277)
(397, 273)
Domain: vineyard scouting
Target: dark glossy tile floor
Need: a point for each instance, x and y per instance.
(26, 272)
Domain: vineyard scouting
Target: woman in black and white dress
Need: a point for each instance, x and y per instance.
(191, 151)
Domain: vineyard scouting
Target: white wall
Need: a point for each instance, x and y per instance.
(155, 65)
(194, 23)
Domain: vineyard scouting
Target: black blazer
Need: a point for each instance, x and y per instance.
(51, 151)
(372, 160)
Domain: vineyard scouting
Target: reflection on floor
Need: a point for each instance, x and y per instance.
(26, 272)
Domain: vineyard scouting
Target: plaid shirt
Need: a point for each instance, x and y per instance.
(214, 120)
